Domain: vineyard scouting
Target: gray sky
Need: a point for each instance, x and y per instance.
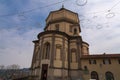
(22, 20)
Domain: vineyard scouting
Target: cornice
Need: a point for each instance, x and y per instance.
(52, 32)
(60, 33)
(61, 20)
(85, 43)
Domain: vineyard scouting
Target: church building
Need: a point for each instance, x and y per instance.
(61, 54)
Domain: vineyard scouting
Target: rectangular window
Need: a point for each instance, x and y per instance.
(119, 61)
(106, 61)
(92, 61)
(57, 27)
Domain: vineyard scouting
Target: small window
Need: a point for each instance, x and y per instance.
(92, 61)
(57, 27)
(85, 68)
(75, 31)
(106, 61)
(119, 61)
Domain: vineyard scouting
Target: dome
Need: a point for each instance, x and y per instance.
(62, 15)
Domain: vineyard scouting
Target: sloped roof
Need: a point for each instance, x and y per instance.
(60, 10)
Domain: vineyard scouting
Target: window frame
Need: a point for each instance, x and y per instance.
(94, 75)
(92, 61)
(118, 61)
(57, 27)
(75, 31)
(106, 61)
(109, 75)
(46, 51)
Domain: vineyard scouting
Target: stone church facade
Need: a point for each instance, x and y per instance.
(61, 54)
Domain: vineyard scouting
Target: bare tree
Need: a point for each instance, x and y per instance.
(13, 66)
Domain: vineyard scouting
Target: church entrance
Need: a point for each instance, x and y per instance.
(44, 71)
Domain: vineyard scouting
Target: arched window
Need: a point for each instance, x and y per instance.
(75, 31)
(46, 51)
(94, 75)
(109, 76)
(85, 68)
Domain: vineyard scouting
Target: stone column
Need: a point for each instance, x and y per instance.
(69, 60)
(40, 52)
(63, 58)
(79, 61)
(52, 55)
